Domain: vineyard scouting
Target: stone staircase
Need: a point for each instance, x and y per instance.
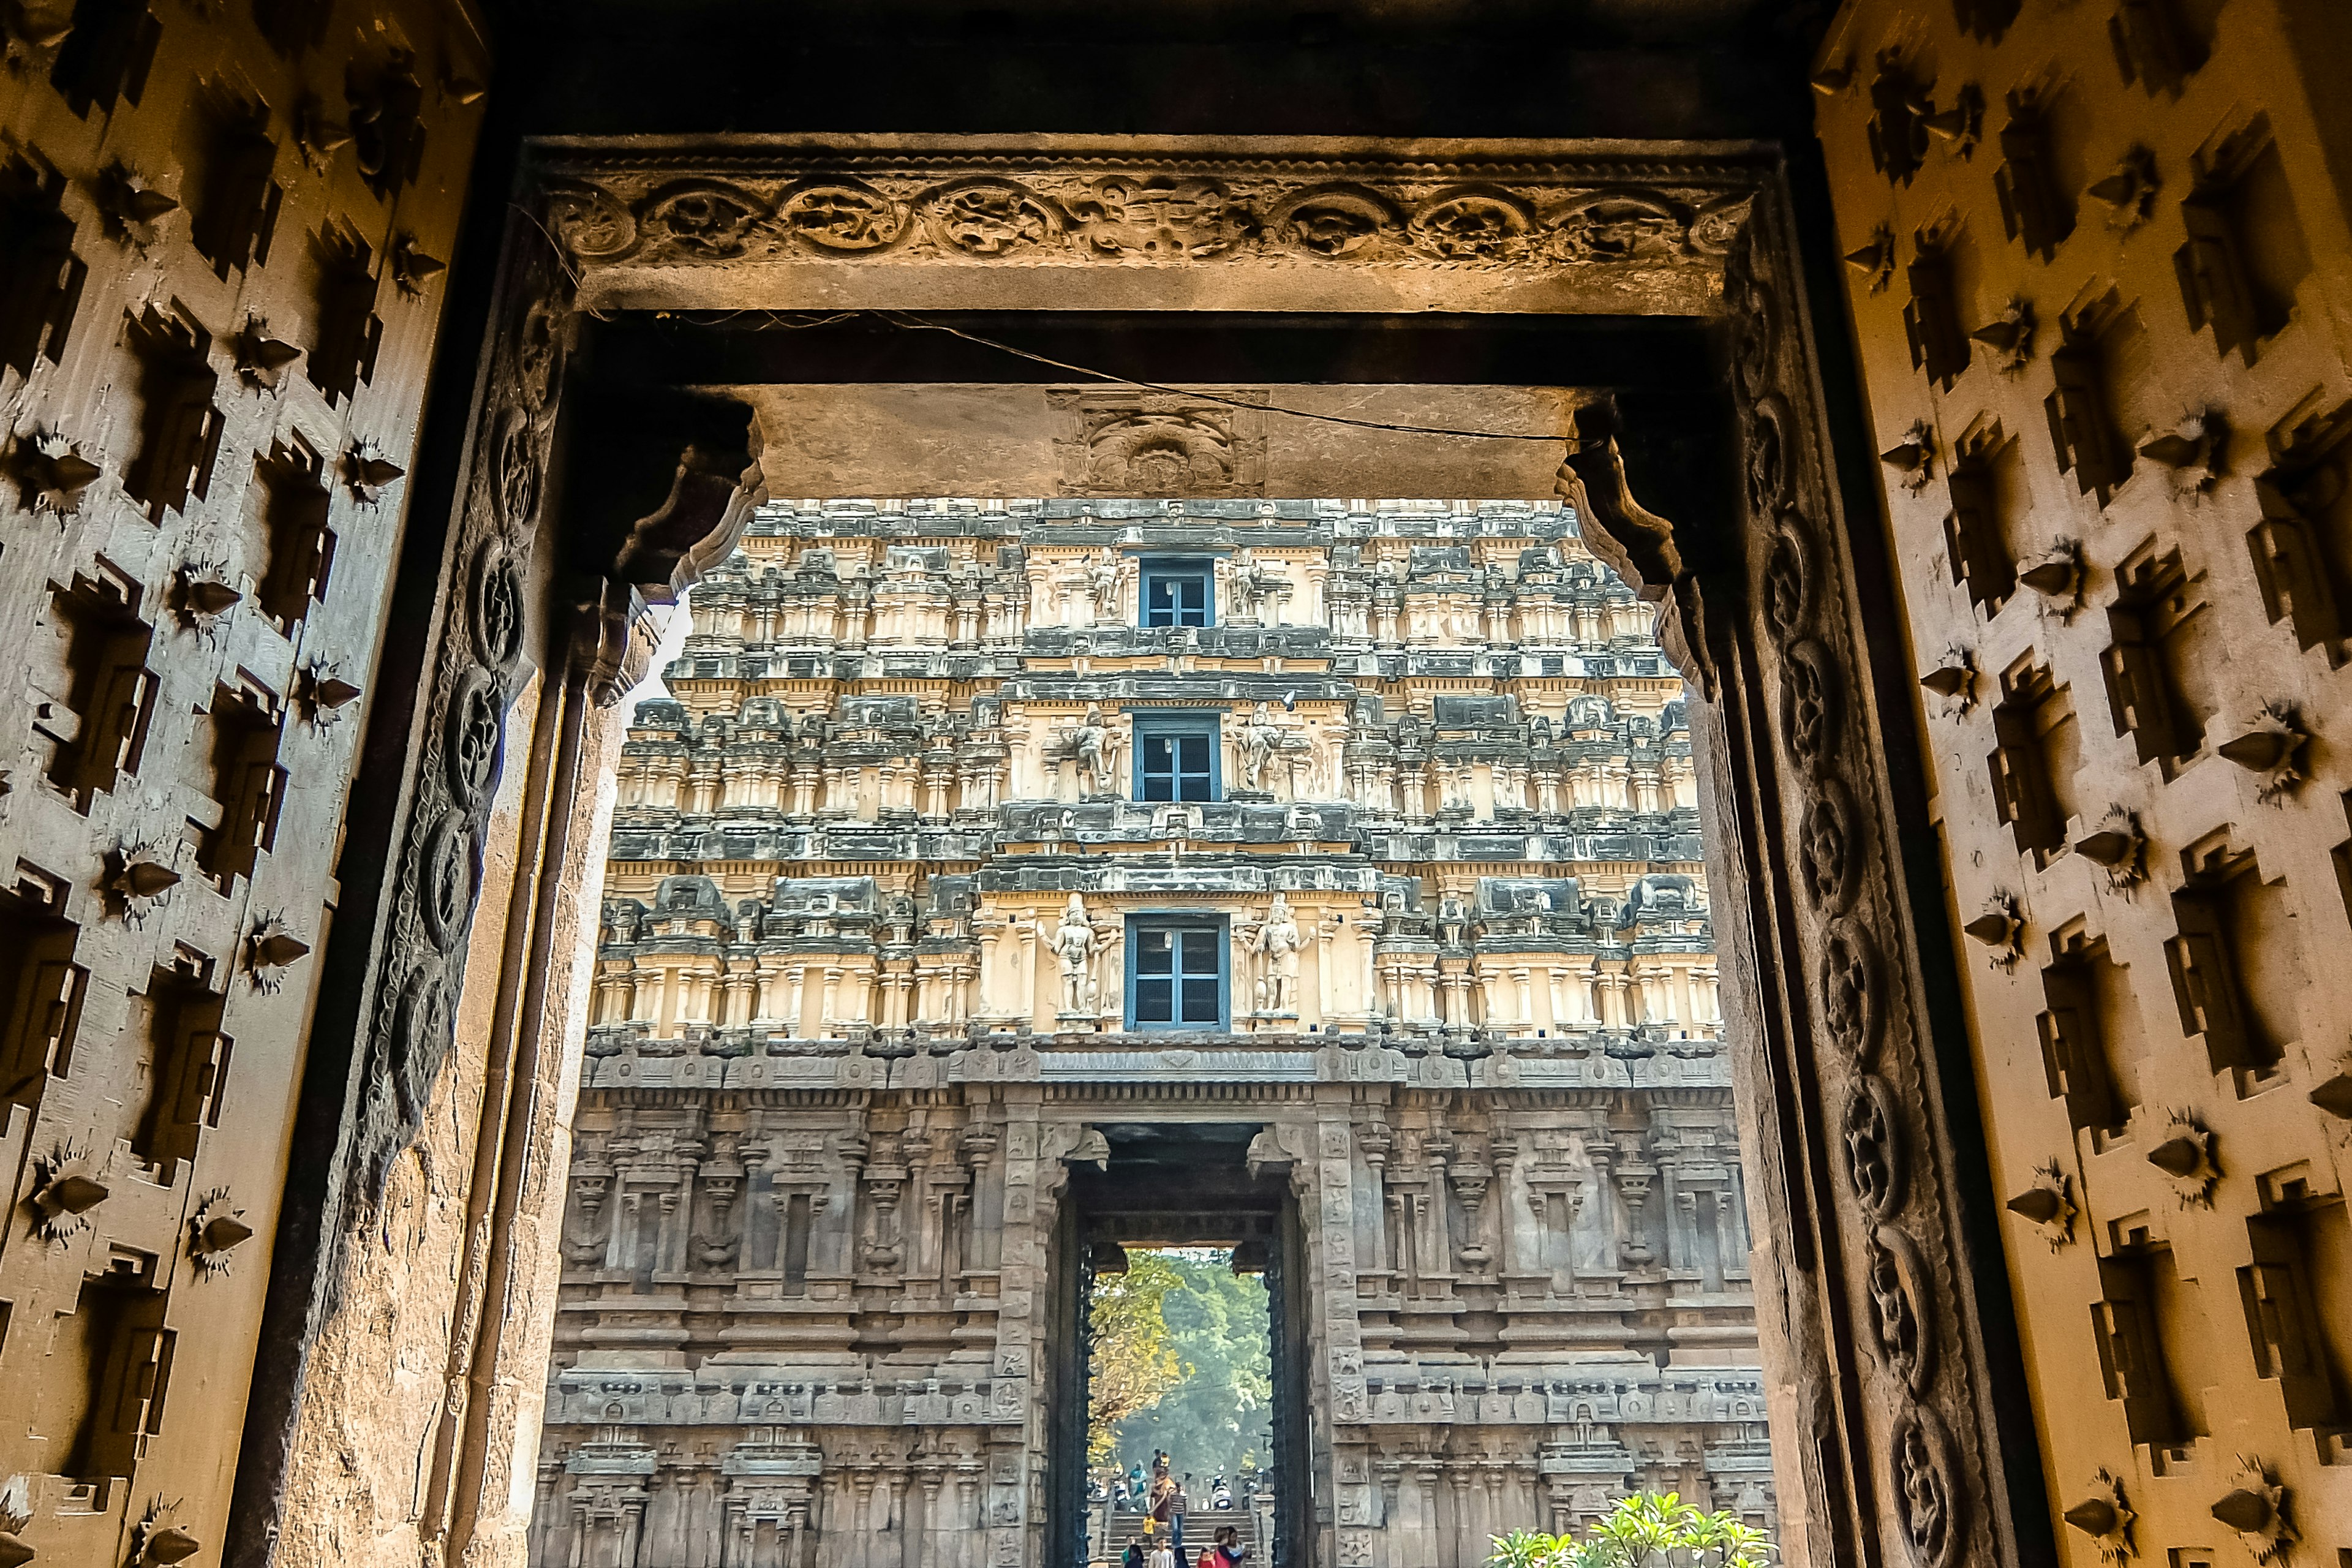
(1201, 1526)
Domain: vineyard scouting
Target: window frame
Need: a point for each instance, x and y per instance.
(1143, 923)
(1153, 567)
(1154, 725)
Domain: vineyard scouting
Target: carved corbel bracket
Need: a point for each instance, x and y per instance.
(1073, 1144)
(1276, 1150)
(710, 502)
(714, 485)
(1635, 543)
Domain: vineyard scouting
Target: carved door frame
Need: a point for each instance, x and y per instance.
(1901, 1427)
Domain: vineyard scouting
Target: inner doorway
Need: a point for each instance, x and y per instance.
(1746, 560)
(1192, 1186)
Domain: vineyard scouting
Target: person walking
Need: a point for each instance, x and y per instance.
(1134, 1556)
(1161, 1556)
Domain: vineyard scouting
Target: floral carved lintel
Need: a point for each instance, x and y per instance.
(652, 212)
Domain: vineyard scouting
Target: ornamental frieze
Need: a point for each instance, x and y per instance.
(652, 212)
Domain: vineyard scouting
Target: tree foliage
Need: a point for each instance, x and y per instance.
(1135, 1362)
(1648, 1530)
(1217, 1414)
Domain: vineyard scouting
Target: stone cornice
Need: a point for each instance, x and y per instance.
(1444, 206)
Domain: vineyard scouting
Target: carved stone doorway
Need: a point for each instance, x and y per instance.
(1163, 1185)
(612, 452)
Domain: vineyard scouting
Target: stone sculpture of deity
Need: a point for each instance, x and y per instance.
(1259, 738)
(1075, 944)
(1276, 945)
(1102, 583)
(1250, 586)
(1094, 746)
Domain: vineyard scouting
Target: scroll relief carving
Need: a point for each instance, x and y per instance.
(1897, 1241)
(472, 683)
(1514, 215)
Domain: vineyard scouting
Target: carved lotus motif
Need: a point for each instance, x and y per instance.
(705, 219)
(1767, 458)
(992, 218)
(495, 602)
(843, 216)
(591, 223)
(1826, 853)
(420, 1035)
(1874, 1158)
(1850, 990)
(517, 467)
(1897, 1284)
(1475, 225)
(1927, 1504)
(1716, 227)
(1611, 226)
(1809, 694)
(1333, 222)
(1788, 583)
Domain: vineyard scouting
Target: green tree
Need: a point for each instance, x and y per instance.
(1217, 1416)
(1134, 1362)
(1648, 1530)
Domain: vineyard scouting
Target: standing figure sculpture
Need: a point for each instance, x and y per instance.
(1102, 583)
(1074, 943)
(1277, 944)
(1094, 746)
(1259, 738)
(1250, 586)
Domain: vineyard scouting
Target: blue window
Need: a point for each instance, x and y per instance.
(1176, 972)
(1178, 593)
(1176, 756)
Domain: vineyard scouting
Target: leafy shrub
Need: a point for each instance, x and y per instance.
(1648, 1530)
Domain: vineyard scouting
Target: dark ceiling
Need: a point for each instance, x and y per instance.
(1383, 68)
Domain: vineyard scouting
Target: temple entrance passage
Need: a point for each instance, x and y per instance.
(1179, 1393)
(1180, 1408)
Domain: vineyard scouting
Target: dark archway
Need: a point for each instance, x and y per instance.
(1180, 1185)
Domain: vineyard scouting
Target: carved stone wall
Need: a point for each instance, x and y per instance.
(223, 236)
(832, 1066)
(2094, 257)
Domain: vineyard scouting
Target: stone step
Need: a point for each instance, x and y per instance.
(1201, 1526)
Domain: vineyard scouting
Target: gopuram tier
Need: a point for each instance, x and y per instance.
(978, 842)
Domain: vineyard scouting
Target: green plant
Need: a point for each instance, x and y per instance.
(1647, 1530)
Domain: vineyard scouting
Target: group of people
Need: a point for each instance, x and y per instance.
(1165, 1498)
(1162, 1493)
(1157, 1551)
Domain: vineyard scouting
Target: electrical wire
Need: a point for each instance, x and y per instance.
(908, 320)
(912, 322)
